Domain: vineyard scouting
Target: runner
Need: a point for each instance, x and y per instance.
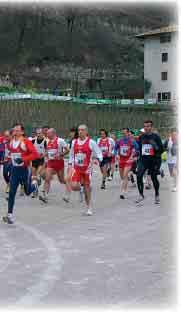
(171, 146)
(126, 151)
(33, 135)
(56, 150)
(45, 130)
(81, 153)
(151, 148)
(38, 165)
(134, 165)
(73, 135)
(7, 165)
(2, 149)
(22, 153)
(113, 158)
(105, 144)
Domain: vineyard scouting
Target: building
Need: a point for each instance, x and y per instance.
(160, 62)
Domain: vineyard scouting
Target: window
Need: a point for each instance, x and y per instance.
(166, 96)
(164, 76)
(165, 38)
(159, 96)
(164, 57)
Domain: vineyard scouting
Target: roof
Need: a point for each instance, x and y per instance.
(162, 30)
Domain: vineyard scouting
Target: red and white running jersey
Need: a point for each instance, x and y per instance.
(82, 154)
(105, 146)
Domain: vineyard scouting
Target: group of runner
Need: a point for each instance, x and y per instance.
(31, 161)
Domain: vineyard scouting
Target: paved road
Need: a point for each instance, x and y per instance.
(124, 255)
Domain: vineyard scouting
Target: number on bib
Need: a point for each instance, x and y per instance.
(79, 159)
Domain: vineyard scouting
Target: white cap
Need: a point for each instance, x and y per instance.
(142, 130)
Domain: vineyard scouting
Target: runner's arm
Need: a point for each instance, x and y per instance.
(96, 150)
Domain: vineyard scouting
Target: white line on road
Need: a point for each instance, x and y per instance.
(47, 279)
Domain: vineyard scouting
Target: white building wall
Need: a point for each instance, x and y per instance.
(153, 65)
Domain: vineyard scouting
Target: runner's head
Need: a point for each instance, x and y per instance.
(74, 133)
(148, 126)
(18, 131)
(7, 135)
(103, 133)
(83, 131)
(131, 134)
(113, 136)
(173, 134)
(45, 130)
(33, 134)
(39, 133)
(51, 133)
(125, 132)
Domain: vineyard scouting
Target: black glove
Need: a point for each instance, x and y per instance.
(18, 161)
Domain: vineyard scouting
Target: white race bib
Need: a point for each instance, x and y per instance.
(14, 156)
(52, 154)
(146, 149)
(123, 150)
(79, 159)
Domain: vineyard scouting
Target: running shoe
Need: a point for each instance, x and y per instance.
(89, 212)
(8, 220)
(66, 199)
(139, 199)
(174, 189)
(157, 199)
(122, 196)
(43, 198)
(103, 186)
(110, 178)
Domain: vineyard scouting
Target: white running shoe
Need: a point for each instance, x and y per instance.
(139, 199)
(89, 212)
(109, 178)
(174, 189)
(66, 199)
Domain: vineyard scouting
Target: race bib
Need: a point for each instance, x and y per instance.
(79, 159)
(14, 156)
(104, 149)
(147, 149)
(52, 154)
(124, 150)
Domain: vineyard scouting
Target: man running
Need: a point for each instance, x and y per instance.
(171, 147)
(81, 153)
(22, 153)
(2, 149)
(126, 150)
(73, 135)
(7, 165)
(38, 165)
(150, 148)
(111, 165)
(105, 145)
(56, 150)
